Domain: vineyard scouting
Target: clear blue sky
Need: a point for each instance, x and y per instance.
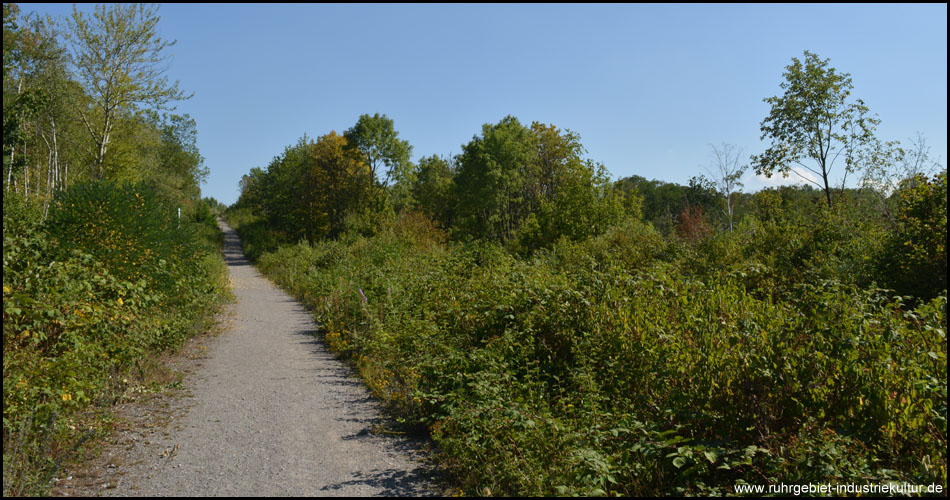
(647, 87)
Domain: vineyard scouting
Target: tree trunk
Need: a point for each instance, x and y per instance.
(56, 179)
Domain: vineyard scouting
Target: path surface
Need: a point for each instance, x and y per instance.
(273, 413)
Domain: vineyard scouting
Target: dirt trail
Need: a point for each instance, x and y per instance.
(272, 413)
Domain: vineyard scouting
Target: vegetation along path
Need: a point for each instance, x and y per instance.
(275, 414)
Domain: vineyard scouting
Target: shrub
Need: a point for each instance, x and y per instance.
(597, 368)
(107, 280)
(914, 258)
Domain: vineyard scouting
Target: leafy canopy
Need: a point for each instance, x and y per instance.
(815, 120)
(378, 141)
(119, 58)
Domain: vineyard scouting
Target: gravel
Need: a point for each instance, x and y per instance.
(271, 413)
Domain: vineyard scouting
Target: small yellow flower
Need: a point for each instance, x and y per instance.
(67, 396)
(120, 301)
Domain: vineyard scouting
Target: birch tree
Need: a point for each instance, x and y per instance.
(726, 172)
(120, 61)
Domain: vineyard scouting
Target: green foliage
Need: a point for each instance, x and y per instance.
(87, 294)
(527, 187)
(661, 203)
(309, 190)
(56, 131)
(97, 277)
(118, 57)
(126, 227)
(914, 258)
(576, 336)
(609, 366)
(20, 212)
(377, 141)
(216, 207)
(490, 182)
(814, 120)
(434, 187)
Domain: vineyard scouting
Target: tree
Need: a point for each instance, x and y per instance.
(913, 260)
(815, 120)
(179, 169)
(433, 186)
(489, 185)
(378, 141)
(660, 201)
(39, 97)
(26, 51)
(529, 186)
(252, 189)
(726, 173)
(896, 165)
(118, 58)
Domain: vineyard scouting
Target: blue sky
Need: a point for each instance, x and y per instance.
(647, 87)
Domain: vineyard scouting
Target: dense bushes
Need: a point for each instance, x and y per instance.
(619, 365)
(914, 260)
(106, 279)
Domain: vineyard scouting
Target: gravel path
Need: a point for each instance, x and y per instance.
(273, 413)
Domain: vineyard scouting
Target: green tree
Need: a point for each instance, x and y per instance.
(179, 169)
(490, 182)
(815, 120)
(377, 140)
(895, 166)
(58, 135)
(27, 50)
(119, 59)
(308, 191)
(336, 185)
(914, 257)
(285, 189)
(661, 203)
(433, 188)
(529, 186)
(566, 195)
(251, 187)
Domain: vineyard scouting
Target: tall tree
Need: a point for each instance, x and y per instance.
(38, 99)
(815, 120)
(378, 141)
(25, 52)
(489, 186)
(336, 185)
(433, 186)
(530, 186)
(179, 168)
(119, 59)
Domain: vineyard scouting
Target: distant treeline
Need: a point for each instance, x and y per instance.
(526, 187)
